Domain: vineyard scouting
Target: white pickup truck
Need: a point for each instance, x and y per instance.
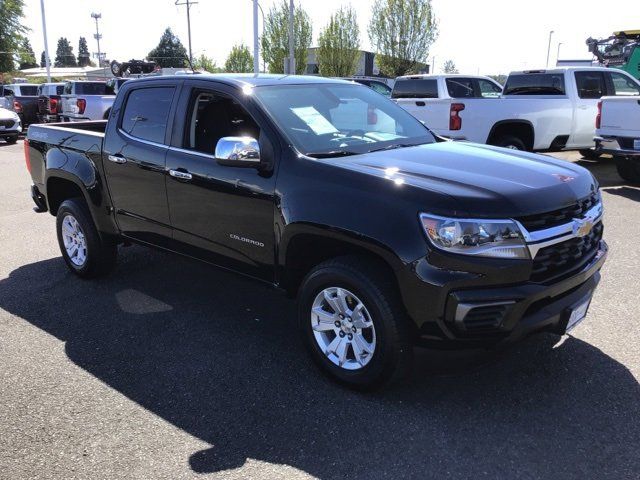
(618, 133)
(86, 100)
(538, 110)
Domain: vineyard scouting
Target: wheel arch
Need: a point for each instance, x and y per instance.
(522, 129)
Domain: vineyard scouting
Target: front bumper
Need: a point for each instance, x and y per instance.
(617, 146)
(504, 312)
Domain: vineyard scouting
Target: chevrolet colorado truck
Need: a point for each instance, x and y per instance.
(388, 236)
(538, 110)
(618, 133)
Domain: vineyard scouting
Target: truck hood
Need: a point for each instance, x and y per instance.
(485, 181)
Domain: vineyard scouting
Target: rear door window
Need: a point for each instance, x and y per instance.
(488, 89)
(146, 113)
(460, 87)
(623, 85)
(415, 88)
(590, 84)
(535, 84)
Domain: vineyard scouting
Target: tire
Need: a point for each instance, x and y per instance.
(93, 257)
(589, 154)
(360, 282)
(509, 141)
(106, 114)
(628, 169)
(11, 140)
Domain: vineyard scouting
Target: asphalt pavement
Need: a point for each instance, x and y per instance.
(169, 368)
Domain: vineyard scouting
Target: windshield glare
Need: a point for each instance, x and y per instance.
(328, 119)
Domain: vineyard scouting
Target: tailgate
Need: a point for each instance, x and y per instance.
(620, 116)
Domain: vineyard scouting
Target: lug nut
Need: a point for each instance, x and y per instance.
(349, 319)
(354, 329)
(342, 334)
(337, 323)
(341, 317)
(350, 336)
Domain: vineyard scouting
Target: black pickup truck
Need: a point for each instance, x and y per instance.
(388, 236)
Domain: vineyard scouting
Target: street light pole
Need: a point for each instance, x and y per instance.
(558, 54)
(292, 56)
(256, 52)
(47, 61)
(549, 47)
(97, 36)
(188, 3)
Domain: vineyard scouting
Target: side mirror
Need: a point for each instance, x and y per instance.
(243, 152)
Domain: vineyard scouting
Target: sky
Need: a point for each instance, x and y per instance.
(481, 37)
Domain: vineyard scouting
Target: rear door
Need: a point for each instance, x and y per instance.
(134, 155)
(590, 87)
(423, 99)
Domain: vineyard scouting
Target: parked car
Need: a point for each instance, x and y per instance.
(10, 126)
(388, 239)
(86, 100)
(25, 101)
(538, 110)
(377, 85)
(618, 133)
(49, 102)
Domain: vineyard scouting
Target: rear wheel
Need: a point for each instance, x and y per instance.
(589, 154)
(353, 324)
(628, 169)
(84, 252)
(510, 141)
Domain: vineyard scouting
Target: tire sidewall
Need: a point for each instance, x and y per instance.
(73, 207)
(382, 363)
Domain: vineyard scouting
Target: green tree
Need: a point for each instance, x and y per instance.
(64, 54)
(339, 45)
(169, 52)
(11, 32)
(449, 67)
(206, 63)
(239, 60)
(275, 39)
(402, 31)
(27, 58)
(84, 57)
(43, 61)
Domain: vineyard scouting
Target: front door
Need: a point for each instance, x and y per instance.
(222, 214)
(134, 161)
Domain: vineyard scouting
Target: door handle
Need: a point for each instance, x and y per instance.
(420, 104)
(117, 159)
(180, 175)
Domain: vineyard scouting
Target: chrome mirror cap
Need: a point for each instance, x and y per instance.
(238, 149)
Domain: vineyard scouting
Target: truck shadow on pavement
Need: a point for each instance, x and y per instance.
(217, 356)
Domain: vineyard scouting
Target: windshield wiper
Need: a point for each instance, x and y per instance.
(332, 153)
(393, 146)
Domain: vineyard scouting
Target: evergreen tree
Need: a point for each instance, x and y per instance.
(449, 67)
(275, 39)
(207, 64)
(239, 60)
(84, 57)
(64, 54)
(43, 61)
(169, 52)
(26, 56)
(339, 44)
(11, 32)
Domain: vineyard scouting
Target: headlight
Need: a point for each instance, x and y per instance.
(483, 238)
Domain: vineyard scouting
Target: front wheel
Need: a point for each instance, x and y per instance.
(84, 252)
(353, 324)
(628, 169)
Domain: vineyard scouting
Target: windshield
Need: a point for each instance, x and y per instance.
(535, 84)
(330, 120)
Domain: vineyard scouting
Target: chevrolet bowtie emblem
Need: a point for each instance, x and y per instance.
(582, 227)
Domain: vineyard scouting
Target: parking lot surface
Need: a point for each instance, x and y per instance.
(169, 368)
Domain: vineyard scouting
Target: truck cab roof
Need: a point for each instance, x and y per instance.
(250, 79)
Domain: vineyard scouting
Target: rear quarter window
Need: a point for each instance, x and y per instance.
(535, 84)
(146, 113)
(415, 88)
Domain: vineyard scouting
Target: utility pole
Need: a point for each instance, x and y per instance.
(549, 47)
(292, 55)
(97, 36)
(256, 52)
(188, 3)
(47, 62)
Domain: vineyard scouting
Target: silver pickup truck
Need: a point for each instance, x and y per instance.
(86, 100)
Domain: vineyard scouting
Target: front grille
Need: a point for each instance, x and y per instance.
(6, 123)
(567, 256)
(485, 318)
(560, 216)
